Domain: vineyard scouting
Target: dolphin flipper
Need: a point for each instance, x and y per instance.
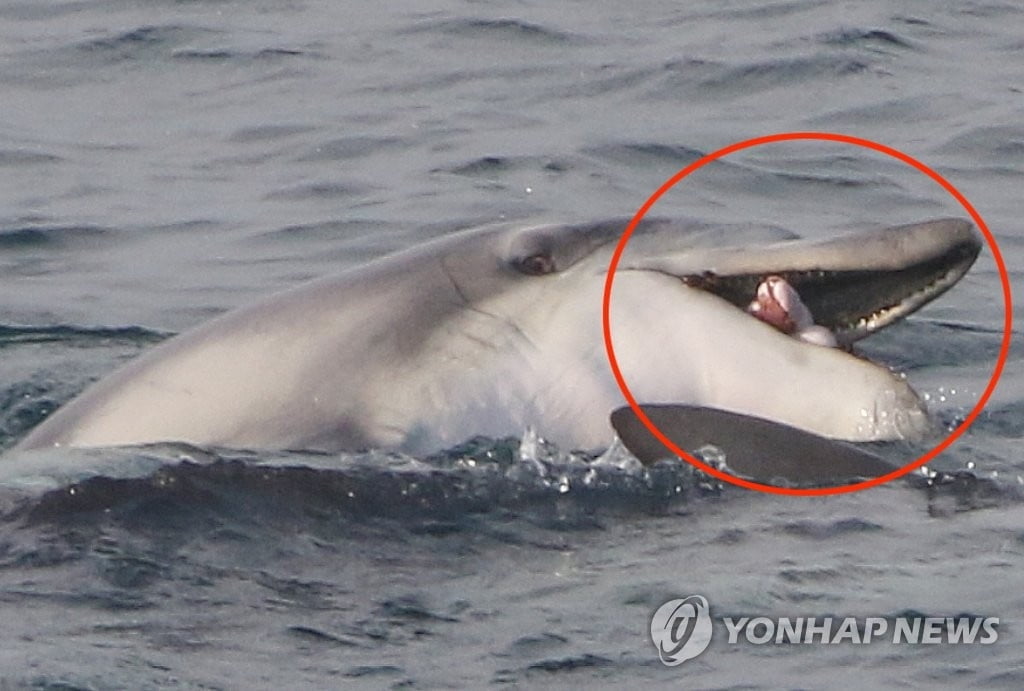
(754, 448)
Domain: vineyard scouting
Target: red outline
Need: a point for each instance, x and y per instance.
(825, 136)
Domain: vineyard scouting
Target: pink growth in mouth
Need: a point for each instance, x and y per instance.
(777, 303)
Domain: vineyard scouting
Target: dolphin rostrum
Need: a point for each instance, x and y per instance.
(492, 330)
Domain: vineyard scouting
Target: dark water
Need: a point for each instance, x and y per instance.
(161, 162)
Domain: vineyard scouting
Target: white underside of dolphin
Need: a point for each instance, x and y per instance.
(493, 330)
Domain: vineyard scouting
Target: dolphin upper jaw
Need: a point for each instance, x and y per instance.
(853, 285)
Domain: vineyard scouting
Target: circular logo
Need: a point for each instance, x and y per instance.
(681, 629)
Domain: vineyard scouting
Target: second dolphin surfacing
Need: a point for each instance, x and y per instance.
(495, 329)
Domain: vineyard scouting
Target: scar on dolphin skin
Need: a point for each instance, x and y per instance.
(777, 303)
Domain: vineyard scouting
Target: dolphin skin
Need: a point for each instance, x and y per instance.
(754, 449)
(492, 330)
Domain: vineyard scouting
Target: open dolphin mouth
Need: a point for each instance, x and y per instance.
(852, 303)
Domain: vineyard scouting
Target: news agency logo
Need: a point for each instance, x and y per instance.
(681, 629)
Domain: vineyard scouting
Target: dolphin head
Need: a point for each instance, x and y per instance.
(681, 332)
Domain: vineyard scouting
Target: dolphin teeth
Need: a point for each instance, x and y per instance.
(851, 303)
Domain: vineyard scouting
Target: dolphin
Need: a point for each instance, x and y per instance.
(492, 330)
(751, 447)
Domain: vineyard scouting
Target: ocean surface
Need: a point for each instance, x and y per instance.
(164, 161)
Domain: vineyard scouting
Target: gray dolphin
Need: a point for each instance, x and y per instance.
(753, 448)
(492, 330)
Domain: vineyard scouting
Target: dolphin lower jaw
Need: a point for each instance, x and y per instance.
(826, 391)
(706, 351)
(897, 413)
